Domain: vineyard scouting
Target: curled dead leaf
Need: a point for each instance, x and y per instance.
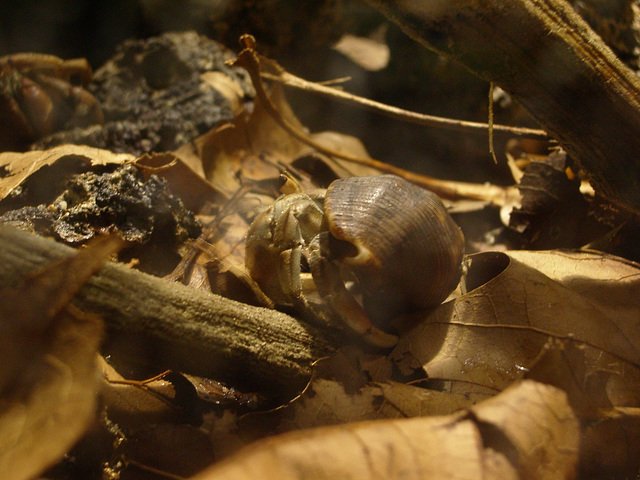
(515, 302)
(18, 167)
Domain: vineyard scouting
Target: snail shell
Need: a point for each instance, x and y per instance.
(397, 239)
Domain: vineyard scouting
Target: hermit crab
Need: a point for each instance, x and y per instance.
(40, 94)
(375, 247)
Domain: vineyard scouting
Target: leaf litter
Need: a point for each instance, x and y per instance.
(532, 372)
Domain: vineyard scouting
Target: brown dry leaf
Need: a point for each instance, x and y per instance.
(562, 364)
(347, 145)
(324, 402)
(492, 440)
(327, 403)
(135, 404)
(260, 149)
(419, 402)
(253, 144)
(228, 86)
(341, 392)
(168, 450)
(610, 437)
(538, 426)
(333, 402)
(516, 301)
(15, 168)
(48, 374)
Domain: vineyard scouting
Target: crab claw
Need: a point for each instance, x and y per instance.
(331, 288)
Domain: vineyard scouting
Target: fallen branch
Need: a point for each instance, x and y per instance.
(196, 332)
(550, 61)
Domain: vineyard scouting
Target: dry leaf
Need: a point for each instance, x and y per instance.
(17, 167)
(534, 426)
(418, 402)
(331, 401)
(326, 402)
(370, 54)
(48, 375)
(610, 437)
(253, 144)
(258, 147)
(610, 446)
(133, 405)
(562, 364)
(345, 144)
(492, 440)
(516, 301)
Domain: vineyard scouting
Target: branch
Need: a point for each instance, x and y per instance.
(550, 61)
(195, 331)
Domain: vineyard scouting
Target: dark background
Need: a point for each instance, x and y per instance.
(299, 35)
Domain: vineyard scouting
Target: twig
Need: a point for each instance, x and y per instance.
(492, 126)
(290, 80)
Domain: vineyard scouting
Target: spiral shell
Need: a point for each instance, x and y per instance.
(401, 244)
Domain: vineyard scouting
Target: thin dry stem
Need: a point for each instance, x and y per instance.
(290, 80)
